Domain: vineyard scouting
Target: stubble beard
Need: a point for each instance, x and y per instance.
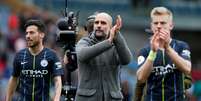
(32, 44)
(100, 35)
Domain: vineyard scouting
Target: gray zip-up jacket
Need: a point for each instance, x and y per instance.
(99, 65)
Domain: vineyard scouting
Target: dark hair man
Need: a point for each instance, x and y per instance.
(35, 67)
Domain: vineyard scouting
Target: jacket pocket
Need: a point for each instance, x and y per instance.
(86, 92)
(116, 95)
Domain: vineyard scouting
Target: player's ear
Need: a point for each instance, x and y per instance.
(171, 25)
(42, 34)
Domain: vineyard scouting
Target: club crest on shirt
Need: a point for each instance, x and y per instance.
(44, 63)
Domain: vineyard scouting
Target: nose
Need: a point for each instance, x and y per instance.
(159, 26)
(97, 25)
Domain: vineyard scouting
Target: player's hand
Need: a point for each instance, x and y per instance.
(165, 37)
(118, 23)
(155, 42)
(115, 28)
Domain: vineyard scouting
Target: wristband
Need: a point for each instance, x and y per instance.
(152, 55)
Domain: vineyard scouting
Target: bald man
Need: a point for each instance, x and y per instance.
(99, 58)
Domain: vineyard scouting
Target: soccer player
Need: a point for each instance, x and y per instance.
(164, 62)
(35, 67)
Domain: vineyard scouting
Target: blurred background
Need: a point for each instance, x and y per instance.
(135, 15)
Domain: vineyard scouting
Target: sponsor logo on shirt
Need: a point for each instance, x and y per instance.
(58, 65)
(34, 73)
(186, 53)
(162, 70)
(140, 60)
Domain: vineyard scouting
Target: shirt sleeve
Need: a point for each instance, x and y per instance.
(86, 52)
(16, 66)
(123, 51)
(57, 68)
(141, 57)
(185, 52)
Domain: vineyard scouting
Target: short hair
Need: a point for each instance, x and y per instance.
(38, 23)
(161, 11)
(106, 15)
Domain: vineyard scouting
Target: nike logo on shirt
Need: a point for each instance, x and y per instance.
(22, 63)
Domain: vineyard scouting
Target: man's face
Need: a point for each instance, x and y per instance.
(161, 22)
(33, 36)
(102, 25)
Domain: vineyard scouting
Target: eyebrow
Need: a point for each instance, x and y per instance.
(102, 22)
